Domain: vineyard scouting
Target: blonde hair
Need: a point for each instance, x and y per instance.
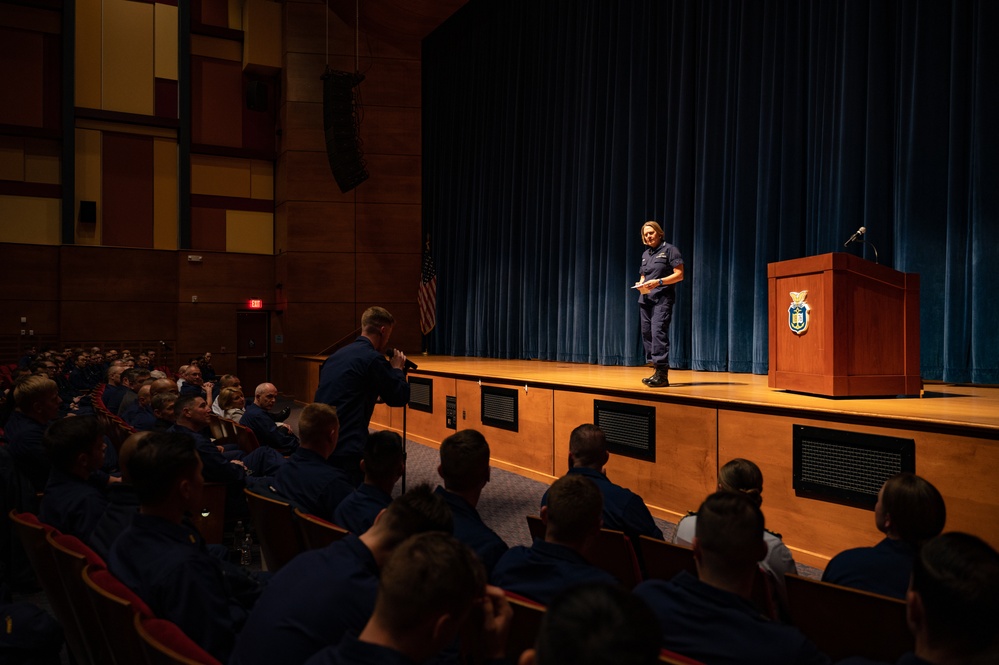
(228, 395)
(654, 225)
(31, 389)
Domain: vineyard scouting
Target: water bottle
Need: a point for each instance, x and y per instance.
(246, 551)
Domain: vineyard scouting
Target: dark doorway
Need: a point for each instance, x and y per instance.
(252, 350)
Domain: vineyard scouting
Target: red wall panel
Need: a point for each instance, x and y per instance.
(127, 190)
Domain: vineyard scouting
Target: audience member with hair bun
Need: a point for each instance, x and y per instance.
(909, 512)
(742, 475)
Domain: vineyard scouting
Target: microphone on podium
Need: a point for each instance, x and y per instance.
(856, 236)
(409, 363)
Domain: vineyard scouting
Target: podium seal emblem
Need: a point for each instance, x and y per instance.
(797, 313)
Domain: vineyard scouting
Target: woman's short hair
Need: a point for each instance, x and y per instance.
(228, 397)
(654, 225)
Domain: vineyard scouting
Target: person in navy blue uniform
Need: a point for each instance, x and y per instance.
(548, 567)
(596, 623)
(383, 463)
(354, 378)
(427, 595)
(139, 411)
(113, 391)
(132, 379)
(37, 399)
(257, 417)
(464, 468)
(952, 603)
(909, 512)
(306, 480)
(662, 269)
(623, 509)
(123, 502)
(322, 595)
(71, 503)
(163, 559)
(710, 617)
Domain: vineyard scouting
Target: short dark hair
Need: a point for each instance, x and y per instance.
(592, 624)
(159, 460)
(183, 401)
(957, 577)
(730, 527)
(132, 375)
(429, 574)
(417, 511)
(376, 317)
(66, 438)
(464, 460)
(382, 454)
(588, 445)
(575, 506)
(916, 507)
(315, 422)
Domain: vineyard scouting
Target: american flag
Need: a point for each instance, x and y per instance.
(427, 296)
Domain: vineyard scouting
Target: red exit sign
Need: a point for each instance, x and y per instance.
(256, 304)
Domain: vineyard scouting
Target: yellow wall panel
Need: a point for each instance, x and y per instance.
(88, 54)
(220, 176)
(41, 161)
(28, 219)
(165, 48)
(11, 158)
(262, 35)
(127, 65)
(249, 232)
(236, 14)
(165, 185)
(88, 182)
(216, 47)
(262, 180)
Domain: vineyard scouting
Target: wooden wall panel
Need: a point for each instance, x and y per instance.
(216, 102)
(388, 227)
(816, 530)
(249, 232)
(394, 179)
(432, 427)
(258, 124)
(302, 127)
(261, 21)
(41, 161)
(127, 190)
(127, 58)
(224, 278)
(536, 420)
(208, 229)
(392, 82)
(12, 158)
(301, 35)
(42, 321)
(165, 42)
(40, 262)
(306, 176)
(165, 191)
(319, 277)
(98, 320)
(117, 275)
(382, 277)
(221, 176)
(302, 71)
(316, 226)
(22, 53)
(391, 130)
(88, 183)
(29, 219)
(88, 55)
(206, 326)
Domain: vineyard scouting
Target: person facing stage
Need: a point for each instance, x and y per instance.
(662, 269)
(354, 378)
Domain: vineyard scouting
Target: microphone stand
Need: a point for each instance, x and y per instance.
(865, 242)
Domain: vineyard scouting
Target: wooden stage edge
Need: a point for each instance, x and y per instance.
(705, 419)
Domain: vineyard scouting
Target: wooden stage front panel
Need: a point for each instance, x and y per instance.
(708, 418)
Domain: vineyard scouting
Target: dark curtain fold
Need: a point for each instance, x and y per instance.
(753, 131)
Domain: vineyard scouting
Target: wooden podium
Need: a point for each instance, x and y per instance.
(855, 333)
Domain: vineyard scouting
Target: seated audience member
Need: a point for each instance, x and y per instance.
(163, 559)
(31, 636)
(279, 437)
(741, 475)
(192, 418)
(231, 404)
(322, 595)
(113, 391)
(306, 480)
(596, 624)
(710, 617)
(464, 468)
(164, 385)
(382, 464)
(76, 449)
(207, 371)
(79, 377)
(952, 603)
(132, 379)
(140, 415)
(623, 509)
(194, 384)
(123, 502)
(37, 399)
(428, 592)
(548, 567)
(163, 409)
(909, 512)
(226, 381)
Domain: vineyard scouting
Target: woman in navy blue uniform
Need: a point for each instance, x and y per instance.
(662, 269)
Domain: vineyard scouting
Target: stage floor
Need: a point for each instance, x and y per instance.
(942, 404)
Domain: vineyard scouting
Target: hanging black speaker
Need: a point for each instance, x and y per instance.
(341, 123)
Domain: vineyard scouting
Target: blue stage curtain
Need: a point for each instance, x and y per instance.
(753, 132)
